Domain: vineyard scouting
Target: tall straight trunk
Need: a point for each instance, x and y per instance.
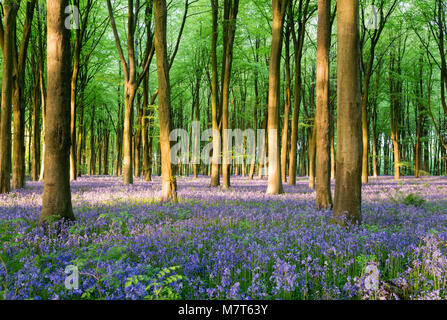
(274, 170)
(100, 144)
(288, 101)
(80, 32)
(232, 6)
(255, 141)
(197, 119)
(56, 189)
(36, 130)
(92, 169)
(10, 9)
(119, 142)
(18, 100)
(255, 113)
(215, 176)
(80, 142)
(169, 183)
(74, 83)
(263, 146)
(43, 94)
(348, 184)
(312, 152)
(298, 41)
(394, 115)
(138, 137)
(419, 123)
(322, 111)
(145, 129)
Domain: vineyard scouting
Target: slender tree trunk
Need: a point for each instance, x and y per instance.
(36, 131)
(285, 129)
(215, 176)
(56, 190)
(18, 100)
(10, 9)
(348, 185)
(92, 143)
(80, 142)
(298, 47)
(322, 111)
(169, 183)
(274, 165)
(232, 6)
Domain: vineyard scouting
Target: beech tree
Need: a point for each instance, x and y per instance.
(274, 182)
(347, 198)
(7, 42)
(56, 189)
(322, 113)
(169, 183)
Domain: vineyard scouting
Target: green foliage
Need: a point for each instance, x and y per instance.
(411, 199)
(158, 284)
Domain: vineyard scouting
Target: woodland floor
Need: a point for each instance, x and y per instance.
(216, 244)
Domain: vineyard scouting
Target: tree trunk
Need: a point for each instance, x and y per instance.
(322, 111)
(169, 183)
(36, 130)
(274, 166)
(348, 184)
(232, 7)
(92, 142)
(18, 101)
(56, 190)
(298, 47)
(285, 129)
(10, 12)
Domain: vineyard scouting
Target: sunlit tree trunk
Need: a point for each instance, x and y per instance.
(285, 128)
(56, 189)
(274, 165)
(215, 176)
(169, 183)
(348, 184)
(322, 111)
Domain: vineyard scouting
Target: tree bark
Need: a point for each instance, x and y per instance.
(169, 183)
(298, 42)
(232, 6)
(322, 111)
(18, 100)
(274, 164)
(10, 9)
(348, 184)
(56, 190)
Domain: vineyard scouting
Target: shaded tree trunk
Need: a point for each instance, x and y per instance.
(7, 43)
(18, 100)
